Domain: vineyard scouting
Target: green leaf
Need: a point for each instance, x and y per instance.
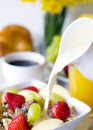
(53, 25)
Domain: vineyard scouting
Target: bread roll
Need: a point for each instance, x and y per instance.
(15, 38)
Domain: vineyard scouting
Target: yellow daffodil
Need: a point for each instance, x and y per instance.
(52, 6)
(55, 6)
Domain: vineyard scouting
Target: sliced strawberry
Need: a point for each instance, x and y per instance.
(60, 110)
(14, 100)
(33, 88)
(19, 123)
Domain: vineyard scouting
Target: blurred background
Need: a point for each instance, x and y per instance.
(43, 19)
(25, 14)
(38, 25)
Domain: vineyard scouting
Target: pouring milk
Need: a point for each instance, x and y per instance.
(75, 41)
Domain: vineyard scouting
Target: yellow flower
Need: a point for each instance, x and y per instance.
(28, 0)
(53, 6)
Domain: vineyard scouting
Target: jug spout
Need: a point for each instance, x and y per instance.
(85, 63)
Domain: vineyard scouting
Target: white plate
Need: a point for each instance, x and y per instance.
(81, 107)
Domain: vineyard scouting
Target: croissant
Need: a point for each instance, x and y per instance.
(15, 38)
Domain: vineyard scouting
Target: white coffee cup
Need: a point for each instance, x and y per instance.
(16, 73)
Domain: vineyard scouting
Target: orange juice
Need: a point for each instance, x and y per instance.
(80, 87)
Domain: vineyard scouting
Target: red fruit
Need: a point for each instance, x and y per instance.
(31, 88)
(19, 123)
(60, 110)
(14, 100)
(66, 70)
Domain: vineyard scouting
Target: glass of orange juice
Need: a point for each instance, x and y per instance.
(80, 87)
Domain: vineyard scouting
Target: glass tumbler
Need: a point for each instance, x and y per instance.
(79, 86)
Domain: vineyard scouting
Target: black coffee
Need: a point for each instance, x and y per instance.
(23, 63)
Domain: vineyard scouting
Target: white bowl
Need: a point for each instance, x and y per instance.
(81, 107)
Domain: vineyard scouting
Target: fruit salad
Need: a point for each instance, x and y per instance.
(22, 109)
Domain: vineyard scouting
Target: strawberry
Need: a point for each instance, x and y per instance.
(33, 88)
(19, 123)
(60, 110)
(14, 100)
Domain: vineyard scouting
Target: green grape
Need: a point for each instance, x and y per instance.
(31, 96)
(12, 90)
(41, 101)
(55, 98)
(34, 113)
(36, 97)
